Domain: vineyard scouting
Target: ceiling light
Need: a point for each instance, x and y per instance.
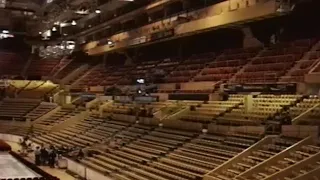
(63, 24)
(5, 31)
(54, 29)
(40, 32)
(98, 11)
(73, 23)
(110, 42)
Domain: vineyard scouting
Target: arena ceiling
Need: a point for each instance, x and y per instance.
(33, 16)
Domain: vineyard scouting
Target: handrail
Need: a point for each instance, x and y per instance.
(315, 66)
(282, 154)
(295, 167)
(246, 152)
(296, 119)
(314, 173)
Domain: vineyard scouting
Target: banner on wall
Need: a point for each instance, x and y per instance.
(162, 34)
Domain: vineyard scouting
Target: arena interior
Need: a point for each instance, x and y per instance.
(161, 89)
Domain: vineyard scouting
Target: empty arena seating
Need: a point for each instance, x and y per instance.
(267, 148)
(15, 129)
(41, 67)
(196, 158)
(17, 108)
(264, 107)
(207, 112)
(87, 132)
(189, 68)
(309, 102)
(280, 164)
(303, 66)
(226, 65)
(62, 63)
(164, 153)
(114, 77)
(274, 62)
(39, 111)
(73, 65)
(10, 64)
(57, 117)
(94, 77)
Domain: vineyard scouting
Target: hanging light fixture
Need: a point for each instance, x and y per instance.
(54, 28)
(73, 23)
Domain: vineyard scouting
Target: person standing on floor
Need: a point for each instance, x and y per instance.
(52, 156)
(43, 156)
(37, 155)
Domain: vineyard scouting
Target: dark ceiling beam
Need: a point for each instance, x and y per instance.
(19, 9)
(124, 17)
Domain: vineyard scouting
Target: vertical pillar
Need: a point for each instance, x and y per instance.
(68, 99)
(248, 103)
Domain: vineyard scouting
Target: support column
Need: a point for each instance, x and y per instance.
(249, 40)
(129, 60)
(248, 103)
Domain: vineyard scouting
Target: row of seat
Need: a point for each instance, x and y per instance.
(41, 110)
(61, 115)
(209, 111)
(292, 157)
(257, 156)
(274, 62)
(303, 106)
(263, 107)
(16, 108)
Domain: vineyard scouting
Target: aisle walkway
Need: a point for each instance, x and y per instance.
(60, 173)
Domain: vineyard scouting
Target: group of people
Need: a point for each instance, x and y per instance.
(45, 156)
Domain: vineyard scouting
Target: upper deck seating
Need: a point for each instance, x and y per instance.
(303, 66)
(10, 64)
(95, 76)
(68, 69)
(41, 67)
(189, 68)
(115, 76)
(227, 64)
(61, 64)
(273, 62)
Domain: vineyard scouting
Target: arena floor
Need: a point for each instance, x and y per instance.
(12, 168)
